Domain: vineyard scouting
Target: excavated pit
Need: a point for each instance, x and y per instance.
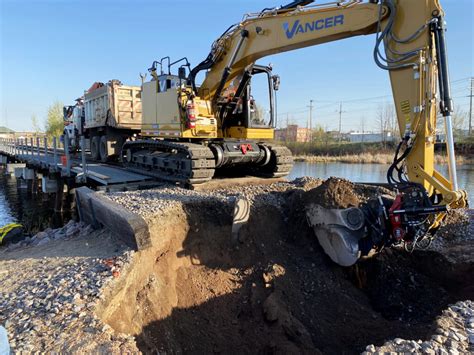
(277, 291)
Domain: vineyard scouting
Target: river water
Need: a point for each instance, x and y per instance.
(374, 173)
(36, 211)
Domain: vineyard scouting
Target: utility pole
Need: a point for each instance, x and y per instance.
(340, 121)
(286, 131)
(470, 107)
(311, 120)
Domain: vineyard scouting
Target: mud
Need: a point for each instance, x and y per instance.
(277, 291)
(334, 193)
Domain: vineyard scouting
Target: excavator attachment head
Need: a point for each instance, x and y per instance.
(350, 234)
(338, 231)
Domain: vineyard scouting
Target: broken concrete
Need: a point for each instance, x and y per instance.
(94, 209)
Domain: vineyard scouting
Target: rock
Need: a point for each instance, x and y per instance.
(14, 246)
(452, 343)
(439, 339)
(271, 308)
(41, 235)
(370, 348)
(59, 235)
(453, 335)
(72, 231)
(43, 241)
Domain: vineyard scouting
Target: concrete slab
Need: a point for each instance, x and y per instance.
(130, 228)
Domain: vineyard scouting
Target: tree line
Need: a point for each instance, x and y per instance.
(53, 125)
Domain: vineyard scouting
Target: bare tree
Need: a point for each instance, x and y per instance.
(35, 125)
(386, 121)
(459, 119)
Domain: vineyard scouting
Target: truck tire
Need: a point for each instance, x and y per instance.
(103, 149)
(95, 143)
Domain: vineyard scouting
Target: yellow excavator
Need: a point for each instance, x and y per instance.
(192, 130)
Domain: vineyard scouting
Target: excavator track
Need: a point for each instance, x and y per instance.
(280, 164)
(185, 163)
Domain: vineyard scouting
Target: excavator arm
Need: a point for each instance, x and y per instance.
(409, 44)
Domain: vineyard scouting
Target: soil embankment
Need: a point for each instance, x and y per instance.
(274, 291)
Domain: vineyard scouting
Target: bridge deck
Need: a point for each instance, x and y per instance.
(46, 159)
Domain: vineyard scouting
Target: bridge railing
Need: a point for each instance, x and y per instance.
(40, 151)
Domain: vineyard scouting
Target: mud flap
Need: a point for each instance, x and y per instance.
(338, 232)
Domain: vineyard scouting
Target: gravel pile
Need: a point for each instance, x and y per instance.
(154, 202)
(456, 228)
(50, 289)
(454, 335)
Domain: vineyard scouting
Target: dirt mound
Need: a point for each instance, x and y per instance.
(276, 292)
(334, 193)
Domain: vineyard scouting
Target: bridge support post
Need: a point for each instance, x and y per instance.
(45, 143)
(58, 203)
(38, 149)
(68, 155)
(55, 152)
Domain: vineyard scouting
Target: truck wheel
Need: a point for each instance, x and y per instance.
(95, 142)
(103, 149)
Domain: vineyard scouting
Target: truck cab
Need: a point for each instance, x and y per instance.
(74, 124)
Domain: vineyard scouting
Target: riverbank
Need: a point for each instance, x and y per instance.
(192, 291)
(371, 158)
(51, 286)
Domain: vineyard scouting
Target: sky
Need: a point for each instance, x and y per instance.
(53, 50)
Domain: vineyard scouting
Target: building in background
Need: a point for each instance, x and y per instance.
(370, 137)
(293, 133)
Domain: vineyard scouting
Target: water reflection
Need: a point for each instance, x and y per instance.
(374, 173)
(35, 211)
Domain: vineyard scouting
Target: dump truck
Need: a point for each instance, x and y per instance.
(107, 115)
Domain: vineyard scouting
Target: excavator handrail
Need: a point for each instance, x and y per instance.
(279, 11)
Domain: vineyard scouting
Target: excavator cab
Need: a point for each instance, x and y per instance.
(249, 101)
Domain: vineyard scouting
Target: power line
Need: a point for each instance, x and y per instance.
(456, 81)
(470, 107)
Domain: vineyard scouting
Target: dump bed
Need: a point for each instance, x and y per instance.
(113, 105)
